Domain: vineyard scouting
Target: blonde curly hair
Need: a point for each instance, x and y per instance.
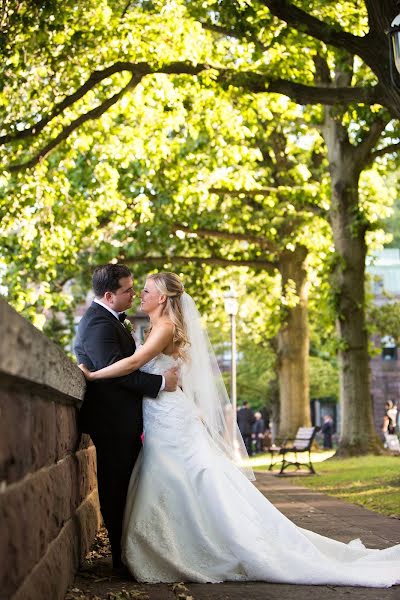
(171, 286)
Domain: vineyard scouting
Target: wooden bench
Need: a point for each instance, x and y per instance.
(301, 443)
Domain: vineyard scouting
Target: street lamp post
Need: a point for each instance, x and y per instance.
(394, 48)
(231, 308)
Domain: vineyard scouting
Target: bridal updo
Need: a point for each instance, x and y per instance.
(171, 286)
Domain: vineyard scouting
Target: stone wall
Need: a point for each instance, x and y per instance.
(48, 497)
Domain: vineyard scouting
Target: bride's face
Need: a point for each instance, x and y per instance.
(151, 298)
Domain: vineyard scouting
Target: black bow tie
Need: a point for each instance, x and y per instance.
(122, 317)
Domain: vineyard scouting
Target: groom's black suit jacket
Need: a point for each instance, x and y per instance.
(112, 412)
(111, 405)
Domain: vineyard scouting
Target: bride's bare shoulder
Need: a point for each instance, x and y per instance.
(164, 324)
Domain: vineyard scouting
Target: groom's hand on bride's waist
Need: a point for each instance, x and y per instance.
(171, 379)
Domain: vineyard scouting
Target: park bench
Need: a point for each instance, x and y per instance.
(301, 443)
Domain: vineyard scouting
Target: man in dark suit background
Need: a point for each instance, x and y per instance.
(245, 419)
(112, 409)
(327, 431)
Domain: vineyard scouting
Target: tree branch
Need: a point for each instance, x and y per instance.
(138, 70)
(387, 150)
(364, 148)
(380, 14)
(95, 113)
(252, 82)
(300, 93)
(233, 34)
(313, 208)
(95, 78)
(201, 232)
(127, 6)
(331, 34)
(372, 47)
(219, 29)
(173, 68)
(266, 191)
(206, 260)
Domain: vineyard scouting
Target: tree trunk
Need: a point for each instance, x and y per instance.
(293, 345)
(358, 434)
(273, 392)
(376, 53)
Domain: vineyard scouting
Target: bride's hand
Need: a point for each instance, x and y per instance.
(88, 375)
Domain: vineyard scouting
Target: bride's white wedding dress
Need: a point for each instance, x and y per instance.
(191, 515)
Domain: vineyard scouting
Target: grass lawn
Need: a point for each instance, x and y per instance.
(371, 481)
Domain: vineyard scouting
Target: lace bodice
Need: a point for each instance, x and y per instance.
(170, 410)
(159, 364)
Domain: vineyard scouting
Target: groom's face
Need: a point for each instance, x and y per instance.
(122, 298)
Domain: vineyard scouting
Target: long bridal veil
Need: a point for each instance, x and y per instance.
(202, 382)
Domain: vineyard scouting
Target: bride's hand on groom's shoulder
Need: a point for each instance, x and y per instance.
(86, 372)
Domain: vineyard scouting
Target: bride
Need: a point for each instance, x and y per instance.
(191, 512)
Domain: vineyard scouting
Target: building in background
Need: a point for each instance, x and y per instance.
(384, 270)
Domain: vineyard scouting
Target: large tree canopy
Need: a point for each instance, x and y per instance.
(69, 65)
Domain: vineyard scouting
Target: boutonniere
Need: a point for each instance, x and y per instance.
(128, 325)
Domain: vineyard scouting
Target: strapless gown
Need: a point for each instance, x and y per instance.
(192, 516)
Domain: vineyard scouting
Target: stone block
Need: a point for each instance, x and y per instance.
(28, 355)
(15, 435)
(66, 430)
(88, 519)
(86, 476)
(51, 577)
(42, 432)
(35, 510)
(34, 432)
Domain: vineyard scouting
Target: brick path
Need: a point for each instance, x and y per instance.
(309, 509)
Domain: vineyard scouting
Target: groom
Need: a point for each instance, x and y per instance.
(112, 409)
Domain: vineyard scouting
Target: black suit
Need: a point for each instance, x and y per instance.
(245, 419)
(112, 412)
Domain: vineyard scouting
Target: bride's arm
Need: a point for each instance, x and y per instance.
(159, 338)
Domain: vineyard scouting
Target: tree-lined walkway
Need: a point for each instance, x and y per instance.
(311, 510)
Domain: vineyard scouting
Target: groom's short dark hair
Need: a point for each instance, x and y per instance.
(106, 278)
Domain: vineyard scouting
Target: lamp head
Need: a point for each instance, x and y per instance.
(231, 302)
(394, 34)
(394, 49)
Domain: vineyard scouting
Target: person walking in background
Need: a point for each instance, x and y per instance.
(258, 431)
(389, 421)
(245, 419)
(327, 431)
(389, 427)
(390, 418)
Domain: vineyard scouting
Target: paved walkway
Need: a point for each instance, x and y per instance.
(311, 510)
